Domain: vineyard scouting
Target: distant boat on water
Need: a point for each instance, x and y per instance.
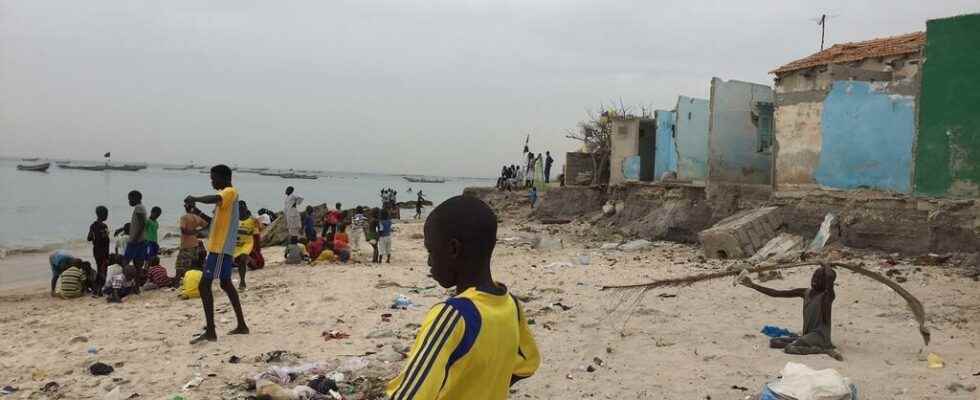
(423, 180)
(184, 168)
(125, 167)
(292, 175)
(62, 163)
(83, 167)
(30, 159)
(36, 167)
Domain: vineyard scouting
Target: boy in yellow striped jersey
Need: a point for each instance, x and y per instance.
(477, 344)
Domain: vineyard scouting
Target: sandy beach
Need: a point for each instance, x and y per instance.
(695, 342)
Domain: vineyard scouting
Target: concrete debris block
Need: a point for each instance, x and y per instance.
(828, 230)
(636, 245)
(783, 247)
(741, 235)
(547, 243)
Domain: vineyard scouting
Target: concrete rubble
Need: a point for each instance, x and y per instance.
(741, 235)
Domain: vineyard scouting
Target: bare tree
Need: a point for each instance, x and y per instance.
(595, 133)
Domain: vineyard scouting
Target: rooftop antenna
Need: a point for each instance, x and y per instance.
(822, 21)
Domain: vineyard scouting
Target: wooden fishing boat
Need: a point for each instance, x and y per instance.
(36, 167)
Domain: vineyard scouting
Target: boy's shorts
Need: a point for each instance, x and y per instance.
(384, 245)
(152, 250)
(218, 264)
(135, 251)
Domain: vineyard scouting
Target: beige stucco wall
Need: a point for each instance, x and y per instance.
(798, 140)
(625, 142)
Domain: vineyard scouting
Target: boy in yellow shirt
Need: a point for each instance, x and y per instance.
(477, 344)
(221, 247)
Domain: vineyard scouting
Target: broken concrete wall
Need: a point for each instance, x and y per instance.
(579, 168)
(570, 202)
(948, 147)
(882, 221)
(625, 150)
(736, 154)
(675, 212)
(691, 131)
(665, 154)
(800, 103)
(867, 138)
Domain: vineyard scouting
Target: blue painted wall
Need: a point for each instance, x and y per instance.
(631, 168)
(691, 136)
(733, 138)
(665, 158)
(868, 135)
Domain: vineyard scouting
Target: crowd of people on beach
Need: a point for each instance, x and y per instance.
(460, 359)
(536, 172)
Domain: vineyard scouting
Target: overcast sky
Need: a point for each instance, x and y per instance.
(433, 87)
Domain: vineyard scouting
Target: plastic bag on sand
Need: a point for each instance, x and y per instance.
(636, 245)
(353, 364)
(800, 382)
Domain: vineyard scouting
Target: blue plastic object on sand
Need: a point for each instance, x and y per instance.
(775, 331)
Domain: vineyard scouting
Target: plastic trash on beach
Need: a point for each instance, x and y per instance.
(823, 235)
(935, 361)
(775, 331)
(799, 382)
(194, 382)
(583, 259)
(352, 364)
(402, 302)
(636, 245)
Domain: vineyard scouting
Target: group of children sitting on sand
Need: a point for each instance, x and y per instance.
(335, 243)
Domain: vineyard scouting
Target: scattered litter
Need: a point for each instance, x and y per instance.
(932, 259)
(353, 364)
(636, 245)
(337, 376)
(935, 361)
(609, 246)
(8, 390)
(775, 331)
(380, 333)
(666, 295)
(547, 243)
(194, 382)
(100, 369)
(557, 306)
(39, 375)
(402, 302)
(804, 383)
(386, 317)
(590, 368)
(956, 386)
(334, 334)
(742, 388)
(50, 387)
(234, 359)
(322, 384)
(279, 356)
(93, 350)
(78, 339)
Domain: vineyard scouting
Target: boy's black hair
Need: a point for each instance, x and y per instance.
(293, 240)
(359, 209)
(101, 212)
(136, 194)
(156, 209)
(222, 171)
(467, 219)
(337, 205)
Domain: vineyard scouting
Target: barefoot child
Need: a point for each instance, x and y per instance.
(248, 227)
(152, 227)
(817, 302)
(98, 234)
(459, 352)
(221, 245)
(384, 236)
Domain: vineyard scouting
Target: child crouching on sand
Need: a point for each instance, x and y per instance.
(457, 352)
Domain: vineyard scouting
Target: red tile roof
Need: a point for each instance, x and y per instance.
(847, 52)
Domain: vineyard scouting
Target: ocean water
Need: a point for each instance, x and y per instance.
(43, 211)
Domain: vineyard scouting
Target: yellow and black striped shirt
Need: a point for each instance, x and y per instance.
(472, 347)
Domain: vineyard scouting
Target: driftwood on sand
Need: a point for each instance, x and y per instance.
(914, 304)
